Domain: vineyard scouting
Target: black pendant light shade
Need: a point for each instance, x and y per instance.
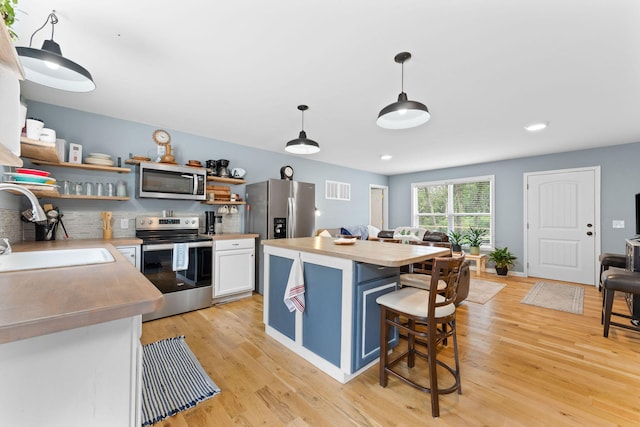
(48, 67)
(302, 144)
(404, 113)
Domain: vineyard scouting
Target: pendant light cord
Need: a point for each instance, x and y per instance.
(54, 21)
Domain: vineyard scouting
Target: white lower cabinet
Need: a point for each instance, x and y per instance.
(132, 253)
(233, 268)
(87, 376)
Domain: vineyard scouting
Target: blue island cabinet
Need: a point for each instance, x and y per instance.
(371, 281)
(338, 331)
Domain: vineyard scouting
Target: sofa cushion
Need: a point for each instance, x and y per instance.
(407, 234)
(435, 236)
(385, 234)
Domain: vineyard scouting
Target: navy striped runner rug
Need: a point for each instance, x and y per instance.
(172, 380)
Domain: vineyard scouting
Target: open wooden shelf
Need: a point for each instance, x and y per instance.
(234, 181)
(38, 150)
(38, 191)
(85, 166)
(222, 202)
(75, 196)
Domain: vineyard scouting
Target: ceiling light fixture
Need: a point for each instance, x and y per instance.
(403, 114)
(302, 144)
(48, 67)
(386, 157)
(534, 127)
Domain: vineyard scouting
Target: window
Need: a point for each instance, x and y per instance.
(455, 205)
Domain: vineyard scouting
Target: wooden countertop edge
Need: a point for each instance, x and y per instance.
(370, 252)
(139, 296)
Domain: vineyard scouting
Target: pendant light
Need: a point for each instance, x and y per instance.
(403, 114)
(48, 67)
(302, 144)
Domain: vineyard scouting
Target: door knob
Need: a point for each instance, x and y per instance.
(589, 233)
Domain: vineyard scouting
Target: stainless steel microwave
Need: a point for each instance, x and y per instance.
(165, 181)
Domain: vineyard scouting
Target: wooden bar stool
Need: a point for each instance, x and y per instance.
(621, 281)
(425, 318)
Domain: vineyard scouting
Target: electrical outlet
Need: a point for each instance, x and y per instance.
(161, 150)
(617, 223)
(124, 223)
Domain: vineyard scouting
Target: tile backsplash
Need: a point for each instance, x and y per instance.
(88, 224)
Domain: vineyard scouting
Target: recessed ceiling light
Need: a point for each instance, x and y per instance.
(386, 157)
(534, 127)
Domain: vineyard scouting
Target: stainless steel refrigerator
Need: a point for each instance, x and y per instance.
(279, 209)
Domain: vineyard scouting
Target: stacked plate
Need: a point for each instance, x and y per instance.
(99, 159)
(31, 177)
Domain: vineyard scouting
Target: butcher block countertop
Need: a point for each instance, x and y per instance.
(43, 301)
(371, 252)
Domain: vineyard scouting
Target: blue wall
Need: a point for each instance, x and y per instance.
(620, 176)
(117, 137)
(620, 181)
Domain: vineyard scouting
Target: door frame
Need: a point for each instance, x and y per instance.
(385, 204)
(596, 208)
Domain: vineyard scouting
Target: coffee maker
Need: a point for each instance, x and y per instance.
(223, 170)
(210, 222)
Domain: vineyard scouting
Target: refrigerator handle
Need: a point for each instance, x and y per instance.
(291, 218)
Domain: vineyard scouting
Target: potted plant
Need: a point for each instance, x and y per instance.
(8, 15)
(456, 238)
(503, 259)
(474, 237)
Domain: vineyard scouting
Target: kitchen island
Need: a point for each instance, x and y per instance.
(339, 330)
(70, 349)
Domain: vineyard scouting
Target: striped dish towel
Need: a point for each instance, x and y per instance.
(294, 293)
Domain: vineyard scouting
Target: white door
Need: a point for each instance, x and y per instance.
(562, 225)
(378, 207)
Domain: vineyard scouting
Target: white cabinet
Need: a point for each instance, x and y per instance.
(11, 120)
(132, 253)
(87, 376)
(233, 269)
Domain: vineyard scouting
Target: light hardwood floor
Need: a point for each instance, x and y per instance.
(521, 366)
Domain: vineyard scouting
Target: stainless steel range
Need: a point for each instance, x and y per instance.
(186, 289)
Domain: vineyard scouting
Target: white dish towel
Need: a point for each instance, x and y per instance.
(294, 293)
(180, 256)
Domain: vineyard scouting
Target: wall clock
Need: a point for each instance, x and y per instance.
(161, 137)
(286, 172)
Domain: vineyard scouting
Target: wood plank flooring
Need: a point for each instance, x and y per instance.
(521, 366)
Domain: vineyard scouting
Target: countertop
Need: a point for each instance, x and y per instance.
(379, 253)
(43, 301)
(230, 236)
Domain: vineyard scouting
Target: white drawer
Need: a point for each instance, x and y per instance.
(225, 245)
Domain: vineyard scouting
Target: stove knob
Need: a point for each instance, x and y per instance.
(142, 222)
(193, 221)
(150, 221)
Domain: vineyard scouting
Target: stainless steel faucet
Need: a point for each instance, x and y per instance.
(38, 213)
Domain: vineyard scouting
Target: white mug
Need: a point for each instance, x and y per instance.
(223, 210)
(33, 129)
(233, 209)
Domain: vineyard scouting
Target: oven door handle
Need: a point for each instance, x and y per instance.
(165, 246)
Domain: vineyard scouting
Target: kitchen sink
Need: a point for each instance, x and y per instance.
(55, 258)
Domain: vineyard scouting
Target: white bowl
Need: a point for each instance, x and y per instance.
(238, 172)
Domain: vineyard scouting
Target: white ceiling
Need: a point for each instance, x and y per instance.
(237, 70)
